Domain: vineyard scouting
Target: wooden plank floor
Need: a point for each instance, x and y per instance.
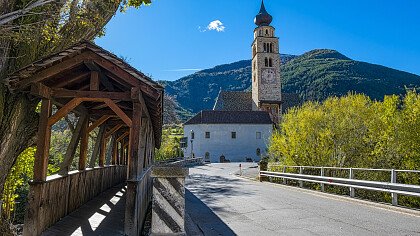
(103, 215)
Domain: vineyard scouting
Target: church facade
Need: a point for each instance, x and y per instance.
(241, 123)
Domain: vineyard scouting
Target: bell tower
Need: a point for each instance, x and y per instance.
(266, 81)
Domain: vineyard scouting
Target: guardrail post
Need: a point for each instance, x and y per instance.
(300, 172)
(322, 174)
(394, 196)
(351, 176)
(284, 179)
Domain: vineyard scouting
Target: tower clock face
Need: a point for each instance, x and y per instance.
(268, 76)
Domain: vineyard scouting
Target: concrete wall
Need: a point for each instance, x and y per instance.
(221, 142)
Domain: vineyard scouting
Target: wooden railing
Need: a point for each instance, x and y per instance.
(59, 195)
(145, 186)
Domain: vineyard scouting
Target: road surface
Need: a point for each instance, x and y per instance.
(220, 203)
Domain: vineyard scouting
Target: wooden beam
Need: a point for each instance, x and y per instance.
(43, 142)
(65, 93)
(131, 205)
(113, 130)
(122, 77)
(102, 151)
(103, 105)
(104, 80)
(69, 81)
(97, 147)
(125, 134)
(119, 112)
(98, 122)
(84, 143)
(110, 112)
(121, 154)
(134, 142)
(114, 152)
(71, 148)
(64, 111)
(53, 70)
(136, 95)
(40, 90)
(94, 81)
(61, 102)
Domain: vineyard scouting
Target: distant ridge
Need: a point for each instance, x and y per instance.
(314, 75)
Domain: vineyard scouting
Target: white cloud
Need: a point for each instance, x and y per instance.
(216, 25)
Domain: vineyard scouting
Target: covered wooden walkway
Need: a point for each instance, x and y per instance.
(103, 215)
(107, 95)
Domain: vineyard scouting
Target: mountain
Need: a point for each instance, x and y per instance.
(198, 91)
(314, 75)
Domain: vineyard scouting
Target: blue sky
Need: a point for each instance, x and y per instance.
(170, 39)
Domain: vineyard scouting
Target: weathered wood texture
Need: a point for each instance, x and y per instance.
(141, 191)
(60, 195)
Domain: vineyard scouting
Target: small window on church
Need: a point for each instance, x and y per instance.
(265, 47)
(270, 64)
(271, 47)
(258, 135)
(207, 134)
(258, 152)
(260, 33)
(266, 32)
(266, 62)
(233, 134)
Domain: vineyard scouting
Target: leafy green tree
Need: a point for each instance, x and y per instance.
(19, 175)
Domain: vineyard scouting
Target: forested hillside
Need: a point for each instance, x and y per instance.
(314, 75)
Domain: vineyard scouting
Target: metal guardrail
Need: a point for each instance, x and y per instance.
(183, 162)
(391, 187)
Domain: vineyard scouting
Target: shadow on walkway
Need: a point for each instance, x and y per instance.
(208, 222)
(104, 215)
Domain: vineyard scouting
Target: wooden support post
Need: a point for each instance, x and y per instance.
(102, 152)
(114, 151)
(71, 148)
(121, 157)
(97, 147)
(131, 226)
(33, 213)
(84, 142)
(43, 142)
(94, 81)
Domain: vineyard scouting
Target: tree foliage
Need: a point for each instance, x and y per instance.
(170, 147)
(354, 131)
(351, 131)
(19, 175)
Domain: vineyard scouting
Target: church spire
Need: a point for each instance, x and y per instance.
(263, 18)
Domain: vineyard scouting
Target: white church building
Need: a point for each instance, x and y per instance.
(241, 123)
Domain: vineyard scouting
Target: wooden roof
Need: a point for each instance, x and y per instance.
(68, 74)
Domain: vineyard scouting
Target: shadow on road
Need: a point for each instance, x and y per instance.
(210, 188)
(204, 217)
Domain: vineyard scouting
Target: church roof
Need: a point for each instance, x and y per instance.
(242, 101)
(230, 117)
(233, 101)
(263, 18)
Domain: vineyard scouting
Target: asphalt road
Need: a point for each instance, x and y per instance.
(220, 203)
